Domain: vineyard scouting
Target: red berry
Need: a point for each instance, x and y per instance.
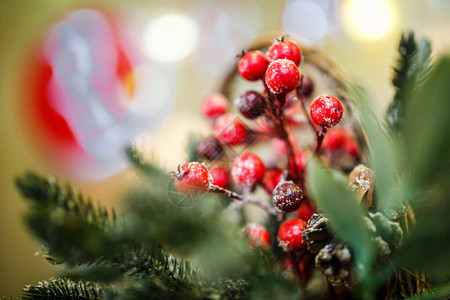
(300, 160)
(282, 76)
(252, 66)
(306, 211)
(251, 104)
(210, 148)
(285, 50)
(214, 106)
(307, 86)
(335, 139)
(351, 148)
(287, 196)
(220, 175)
(290, 235)
(247, 170)
(326, 111)
(271, 179)
(305, 266)
(230, 130)
(258, 235)
(192, 178)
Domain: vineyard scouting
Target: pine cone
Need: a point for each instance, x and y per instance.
(316, 235)
(335, 262)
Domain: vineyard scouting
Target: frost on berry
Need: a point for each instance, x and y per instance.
(326, 111)
(287, 196)
(247, 170)
(285, 49)
(192, 178)
(290, 235)
(282, 76)
(258, 235)
(214, 106)
(230, 130)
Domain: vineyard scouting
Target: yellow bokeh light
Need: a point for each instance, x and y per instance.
(368, 19)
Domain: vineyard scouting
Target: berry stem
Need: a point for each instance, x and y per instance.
(278, 120)
(303, 102)
(320, 135)
(295, 262)
(245, 200)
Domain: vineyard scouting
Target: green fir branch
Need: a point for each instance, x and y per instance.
(63, 288)
(49, 192)
(412, 68)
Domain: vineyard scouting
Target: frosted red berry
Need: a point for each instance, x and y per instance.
(192, 178)
(220, 175)
(290, 235)
(287, 196)
(252, 66)
(251, 104)
(282, 76)
(258, 236)
(271, 179)
(326, 111)
(210, 148)
(285, 49)
(230, 130)
(214, 106)
(247, 170)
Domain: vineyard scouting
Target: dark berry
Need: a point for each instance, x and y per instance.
(306, 211)
(214, 106)
(271, 179)
(307, 86)
(251, 104)
(220, 175)
(252, 66)
(247, 170)
(285, 50)
(192, 178)
(290, 235)
(282, 76)
(230, 130)
(326, 111)
(287, 196)
(210, 148)
(258, 236)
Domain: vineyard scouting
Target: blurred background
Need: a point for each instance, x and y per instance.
(138, 70)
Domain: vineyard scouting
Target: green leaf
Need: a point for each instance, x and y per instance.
(383, 156)
(330, 192)
(426, 128)
(412, 67)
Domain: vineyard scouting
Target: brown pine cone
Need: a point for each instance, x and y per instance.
(316, 235)
(335, 262)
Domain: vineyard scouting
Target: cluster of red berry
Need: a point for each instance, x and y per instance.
(280, 106)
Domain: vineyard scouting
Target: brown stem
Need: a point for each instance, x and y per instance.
(303, 103)
(277, 117)
(301, 283)
(320, 135)
(238, 197)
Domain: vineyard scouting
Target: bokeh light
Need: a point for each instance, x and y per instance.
(171, 38)
(368, 19)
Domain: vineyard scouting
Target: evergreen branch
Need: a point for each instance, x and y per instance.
(48, 192)
(141, 163)
(412, 68)
(63, 288)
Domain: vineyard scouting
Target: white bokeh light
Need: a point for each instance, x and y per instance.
(305, 19)
(170, 38)
(369, 19)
